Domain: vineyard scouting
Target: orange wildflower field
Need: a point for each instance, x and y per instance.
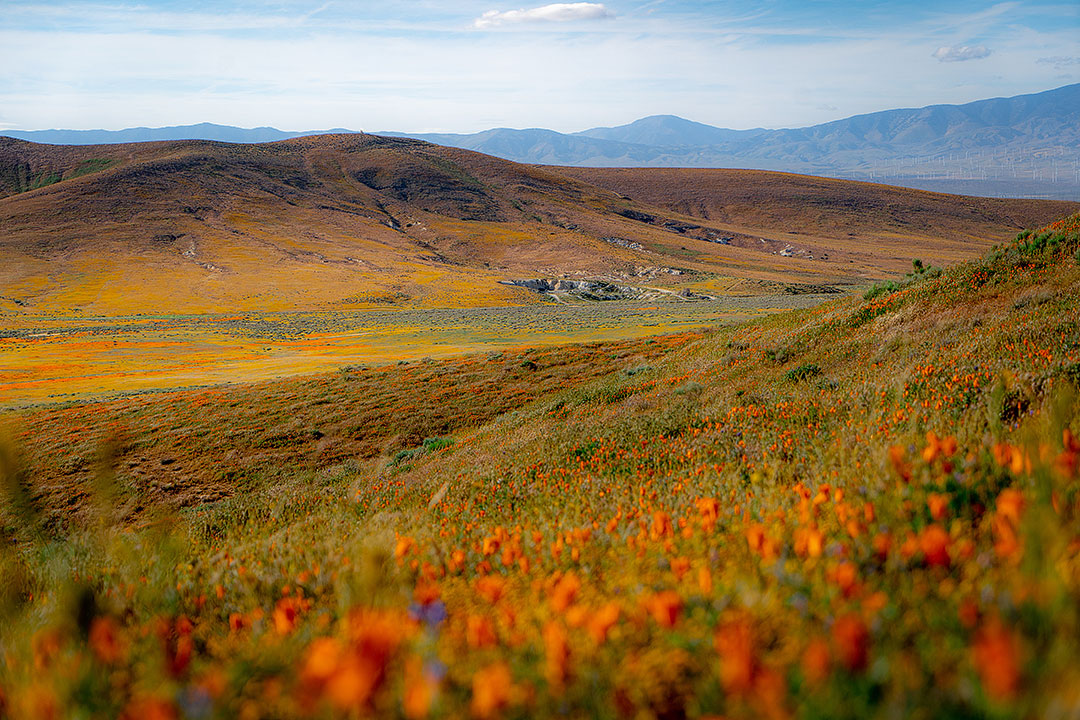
(866, 508)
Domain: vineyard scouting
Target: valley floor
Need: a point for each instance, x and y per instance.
(50, 359)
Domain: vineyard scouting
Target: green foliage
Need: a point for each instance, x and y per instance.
(92, 165)
(435, 444)
(20, 177)
(918, 272)
(429, 445)
(780, 355)
(1035, 248)
(1072, 372)
(44, 179)
(802, 372)
(606, 393)
(883, 288)
(587, 450)
(691, 388)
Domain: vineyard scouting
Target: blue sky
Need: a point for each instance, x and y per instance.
(421, 65)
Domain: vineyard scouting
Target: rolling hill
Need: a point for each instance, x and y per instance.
(363, 221)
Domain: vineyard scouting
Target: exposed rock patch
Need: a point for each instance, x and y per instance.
(623, 243)
(599, 290)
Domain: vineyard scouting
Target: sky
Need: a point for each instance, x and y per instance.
(469, 65)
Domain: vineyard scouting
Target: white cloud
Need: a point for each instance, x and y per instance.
(1060, 62)
(555, 12)
(960, 53)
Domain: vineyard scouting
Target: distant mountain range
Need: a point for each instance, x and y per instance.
(201, 131)
(1023, 146)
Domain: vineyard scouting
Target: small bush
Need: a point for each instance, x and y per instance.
(919, 271)
(434, 444)
(431, 444)
(690, 387)
(607, 394)
(802, 372)
(883, 288)
(780, 355)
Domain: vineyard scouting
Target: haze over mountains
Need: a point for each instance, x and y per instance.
(1023, 146)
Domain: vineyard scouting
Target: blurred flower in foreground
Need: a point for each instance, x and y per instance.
(995, 654)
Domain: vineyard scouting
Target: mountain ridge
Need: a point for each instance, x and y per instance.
(1025, 145)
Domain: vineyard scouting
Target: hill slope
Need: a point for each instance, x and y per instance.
(293, 224)
(361, 221)
(866, 509)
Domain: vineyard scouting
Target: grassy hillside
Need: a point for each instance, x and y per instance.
(358, 221)
(868, 508)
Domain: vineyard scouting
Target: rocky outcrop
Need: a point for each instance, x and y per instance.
(543, 285)
(602, 290)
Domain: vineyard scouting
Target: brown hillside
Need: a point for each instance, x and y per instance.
(359, 221)
(783, 201)
(861, 218)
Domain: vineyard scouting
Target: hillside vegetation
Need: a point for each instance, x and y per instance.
(867, 508)
(357, 221)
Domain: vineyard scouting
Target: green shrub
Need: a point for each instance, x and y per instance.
(802, 372)
(434, 444)
(883, 288)
(919, 271)
(690, 387)
(780, 355)
(90, 166)
(429, 445)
